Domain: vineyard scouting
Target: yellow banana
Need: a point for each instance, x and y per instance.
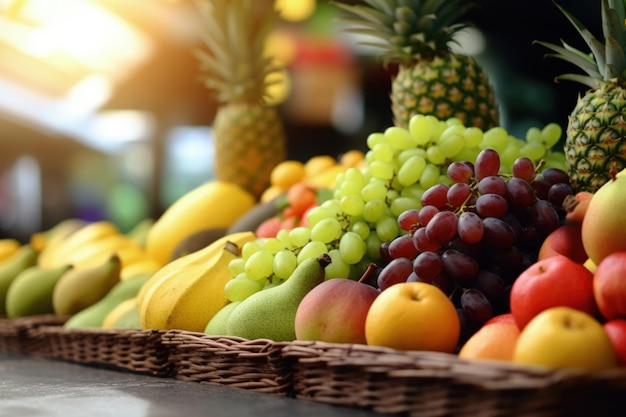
(105, 246)
(99, 251)
(198, 257)
(56, 233)
(141, 266)
(189, 299)
(57, 255)
(8, 247)
(214, 204)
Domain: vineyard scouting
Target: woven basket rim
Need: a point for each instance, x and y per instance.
(491, 374)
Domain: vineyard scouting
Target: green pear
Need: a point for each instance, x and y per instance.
(270, 314)
(25, 257)
(30, 293)
(93, 316)
(81, 287)
(217, 325)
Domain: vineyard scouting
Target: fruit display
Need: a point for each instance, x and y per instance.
(448, 234)
(248, 133)
(595, 132)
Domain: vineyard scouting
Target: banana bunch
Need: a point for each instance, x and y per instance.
(188, 291)
(57, 233)
(92, 245)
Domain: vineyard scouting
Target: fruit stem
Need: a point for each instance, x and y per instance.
(324, 260)
(232, 248)
(369, 271)
(569, 203)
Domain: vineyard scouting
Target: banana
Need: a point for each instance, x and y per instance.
(198, 257)
(188, 299)
(57, 255)
(30, 293)
(141, 266)
(77, 289)
(105, 246)
(56, 234)
(100, 250)
(8, 247)
(24, 257)
(214, 204)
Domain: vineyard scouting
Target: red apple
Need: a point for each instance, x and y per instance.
(609, 286)
(565, 240)
(335, 311)
(616, 330)
(501, 318)
(551, 282)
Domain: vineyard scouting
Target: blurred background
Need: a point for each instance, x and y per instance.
(103, 115)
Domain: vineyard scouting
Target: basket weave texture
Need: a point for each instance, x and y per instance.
(140, 351)
(420, 384)
(437, 384)
(17, 335)
(256, 365)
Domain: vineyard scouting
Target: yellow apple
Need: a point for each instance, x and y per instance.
(413, 316)
(604, 224)
(562, 337)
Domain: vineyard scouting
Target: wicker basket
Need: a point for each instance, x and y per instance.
(140, 351)
(16, 335)
(256, 365)
(437, 384)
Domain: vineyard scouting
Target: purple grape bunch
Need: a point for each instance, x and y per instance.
(474, 237)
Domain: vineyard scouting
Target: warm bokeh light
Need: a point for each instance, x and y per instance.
(279, 89)
(296, 10)
(281, 45)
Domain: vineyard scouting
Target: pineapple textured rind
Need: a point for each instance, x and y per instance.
(431, 79)
(595, 143)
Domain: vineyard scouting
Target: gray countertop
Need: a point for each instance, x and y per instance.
(34, 387)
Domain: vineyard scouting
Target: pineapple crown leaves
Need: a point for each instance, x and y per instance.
(407, 30)
(235, 32)
(606, 62)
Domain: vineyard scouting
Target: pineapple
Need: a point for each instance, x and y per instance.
(417, 36)
(249, 135)
(595, 144)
